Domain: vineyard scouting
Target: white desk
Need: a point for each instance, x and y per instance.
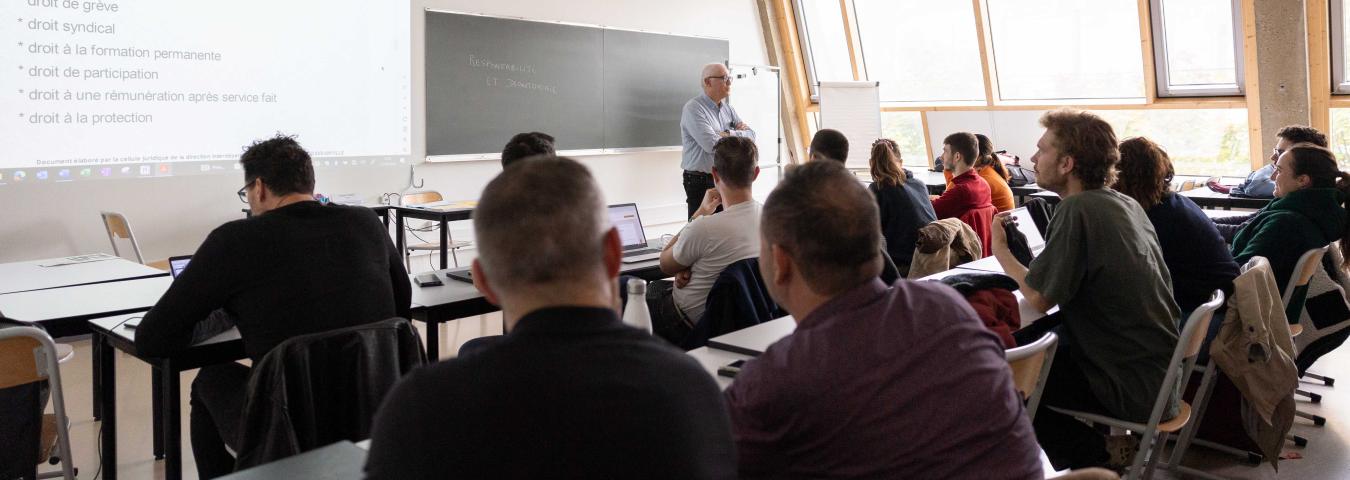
(29, 275)
(755, 339)
(712, 359)
(1216, 214)
(63, 311)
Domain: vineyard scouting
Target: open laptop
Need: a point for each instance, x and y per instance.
(624, 217)
(1028, 227)
(177, 264)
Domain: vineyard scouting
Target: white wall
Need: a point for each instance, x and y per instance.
(172, 215)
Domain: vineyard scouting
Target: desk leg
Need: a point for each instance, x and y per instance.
(445, 243)
(156, 410)
(172, 404)
(433, 340)
(399, 235)
(107, 399)
(97, 359)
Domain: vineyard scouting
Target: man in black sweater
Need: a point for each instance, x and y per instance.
(296, 267)
(569, 391)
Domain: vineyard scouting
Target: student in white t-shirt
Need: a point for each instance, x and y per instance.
(711, 242)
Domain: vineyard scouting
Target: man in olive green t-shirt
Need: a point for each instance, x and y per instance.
(1104, 269)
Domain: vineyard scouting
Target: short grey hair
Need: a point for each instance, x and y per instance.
(541, 221)
(709, 70)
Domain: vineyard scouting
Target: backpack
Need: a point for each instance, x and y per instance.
(1019, 176)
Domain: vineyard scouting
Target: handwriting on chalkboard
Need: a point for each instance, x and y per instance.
(507, 82)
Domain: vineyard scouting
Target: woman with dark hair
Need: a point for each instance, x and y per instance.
(1192, 248)
(1309, 211)
(902, 201)
(988, 166)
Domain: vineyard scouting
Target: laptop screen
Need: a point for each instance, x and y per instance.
(177, 264)
(1028, 227)
(625, 218)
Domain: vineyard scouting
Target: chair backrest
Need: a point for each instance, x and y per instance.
(1030, 366)
(1307, 265)
(422, 197)
(118, 226)
(316, 389)
(738, 299)
(1184, 355)
(28, 355)
(1187, 185)
(21, 357)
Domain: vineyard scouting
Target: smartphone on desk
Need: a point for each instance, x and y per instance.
(428, 280)
(731, 370)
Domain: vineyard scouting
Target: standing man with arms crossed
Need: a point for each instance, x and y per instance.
(706, 119)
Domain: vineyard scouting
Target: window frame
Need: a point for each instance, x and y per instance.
(1158, 25)
(1340, 82)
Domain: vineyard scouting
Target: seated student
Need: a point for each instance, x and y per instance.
(878, 381)
(968, 198)
(295, 267)
(699, 253)
(991, 169)
(1195, 254)
(1309, 211)
(1285, 138)
(1118, 322)
(829, 144)
(525, 145)
(569, 391)
(902, 202)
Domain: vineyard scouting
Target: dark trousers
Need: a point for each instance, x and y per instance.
(1068, 442)
(696, 185)
(217, 402)
(667, 321)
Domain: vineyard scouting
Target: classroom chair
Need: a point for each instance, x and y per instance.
(316, 389)
(1307, 265)
(419, 198)
(1209, 374)
(1182, 362)
(118, 226)
(29, 357)
(738, 299)
(1030, 366)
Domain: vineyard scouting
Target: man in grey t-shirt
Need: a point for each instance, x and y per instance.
(710, 242)
(1102, 265)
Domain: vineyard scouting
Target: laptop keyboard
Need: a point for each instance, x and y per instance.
(645, 251)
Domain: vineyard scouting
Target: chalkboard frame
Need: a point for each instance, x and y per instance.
(437, 158)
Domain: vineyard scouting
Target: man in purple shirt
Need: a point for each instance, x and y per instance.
(878, 381)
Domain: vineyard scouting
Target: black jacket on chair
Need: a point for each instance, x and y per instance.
(321, 388)
(738, 299)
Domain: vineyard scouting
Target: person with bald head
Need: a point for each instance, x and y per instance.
(705, 120)
(569, 391)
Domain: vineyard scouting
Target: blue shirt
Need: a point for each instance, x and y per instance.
(1193, 250)
(1257, 185)
(699, 123)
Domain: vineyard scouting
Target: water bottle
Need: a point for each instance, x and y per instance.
(636, 314)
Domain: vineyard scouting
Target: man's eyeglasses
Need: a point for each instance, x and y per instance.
(243, 192)
(723, 78)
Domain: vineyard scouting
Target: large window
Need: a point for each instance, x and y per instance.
(1340, 136)
(1197, 47)
(906, 128)
(824, 43)
(1066, 49)
(1199, 142)
(921, 50)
